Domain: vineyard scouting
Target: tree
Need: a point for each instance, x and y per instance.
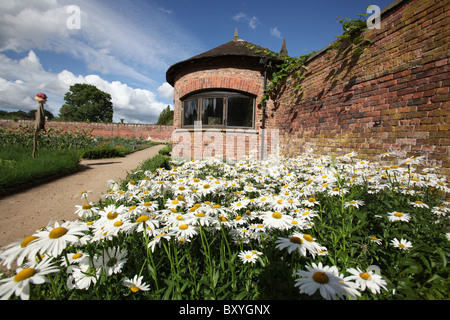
(166, 117)
(85, 102)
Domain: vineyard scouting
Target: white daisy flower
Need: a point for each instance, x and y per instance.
(277, 220)
(324, 279)
(402, 244)
(86, 211)
(54, 239)
(74, 258)
(248, 256)
(310, 202)
(136, 284)
(19, 285)
(398, 216)
(376, 240)
(82, 276)
(113, 260)
(354, 203)
(368, 279)
(17, 251)
(293, 243)
(419, 204)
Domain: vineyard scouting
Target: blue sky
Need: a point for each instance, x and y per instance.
(125, 47)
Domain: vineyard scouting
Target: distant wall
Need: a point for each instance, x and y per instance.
(144, 131)
(392, 97)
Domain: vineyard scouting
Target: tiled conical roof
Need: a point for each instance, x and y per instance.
(236, 48)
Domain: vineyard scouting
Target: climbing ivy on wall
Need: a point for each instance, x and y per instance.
(353, 34)
(295, 67)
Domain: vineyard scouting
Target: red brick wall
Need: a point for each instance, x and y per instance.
(394, 96)
(144, 131)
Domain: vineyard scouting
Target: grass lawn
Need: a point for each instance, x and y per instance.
(18, 167)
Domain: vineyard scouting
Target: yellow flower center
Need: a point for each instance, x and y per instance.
(312, 200)
(238, 218)
(179, 217)
(206, 186)
(223, 219)
(77, 256)
(87, 206)
(248, 256)
(57, 233)
(25, 274)
(296, 240)
(142, 218)
(320, 277)
(147, 204)
(418, 202)
(112, 215)
(200, 214)
(134, 289)
(398, 214)
(365, 276)
(276, 215)
(308, 238)
(401, 245)
(183, 227)
(27, 240)
(216, 206)
(118, 223)
(175, 202)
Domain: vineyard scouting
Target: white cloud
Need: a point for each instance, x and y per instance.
(166, 91)
(116, 40)
(21, 80)
(239, 16)
(275, 32)
(126, 39)
(253, 22)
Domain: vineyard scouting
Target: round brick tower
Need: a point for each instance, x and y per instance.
(221, 91)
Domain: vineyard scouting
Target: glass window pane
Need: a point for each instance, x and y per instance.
(240, 112)
(190, 112)
(212, 111)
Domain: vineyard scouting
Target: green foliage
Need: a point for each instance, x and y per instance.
(166, 117)
(85, 102)
(22, 115)
(284, 66)
(106, 151)
(353, 30)
(166, 150)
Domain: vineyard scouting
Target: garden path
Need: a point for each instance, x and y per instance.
(24, 212)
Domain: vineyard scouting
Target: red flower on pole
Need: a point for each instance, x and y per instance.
(41, 97)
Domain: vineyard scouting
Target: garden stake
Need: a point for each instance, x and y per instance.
(40, 119)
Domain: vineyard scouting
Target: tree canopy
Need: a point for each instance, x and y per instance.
(166, 117)
(85, 102)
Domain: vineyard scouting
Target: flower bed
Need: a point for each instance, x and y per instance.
(311, 227)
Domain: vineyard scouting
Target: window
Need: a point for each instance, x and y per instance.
(219, 109)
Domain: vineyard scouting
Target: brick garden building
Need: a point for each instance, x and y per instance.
(392, 97)
(217, 100)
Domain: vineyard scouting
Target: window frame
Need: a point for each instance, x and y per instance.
(211, 94)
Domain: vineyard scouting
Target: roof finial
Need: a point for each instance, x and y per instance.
(236, 36)
(283, 50)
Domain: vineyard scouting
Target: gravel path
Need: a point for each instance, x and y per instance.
(25, 212)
